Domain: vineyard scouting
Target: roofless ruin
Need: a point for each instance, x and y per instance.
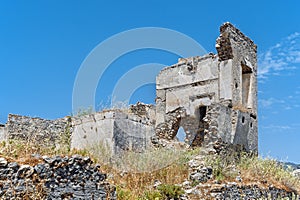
(212, 97)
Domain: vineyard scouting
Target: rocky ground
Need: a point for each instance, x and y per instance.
(203, 185)
(57, 177)
(77, 177)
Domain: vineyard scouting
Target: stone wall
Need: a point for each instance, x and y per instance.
(90, 130)
(47, 132)
(54, 178)
(187, 84)
(119, 130)
(231, 126)
(234, 47)
(2, 132)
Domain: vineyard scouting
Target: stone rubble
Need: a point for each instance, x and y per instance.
(233, 191)
(201, 184)
(56, 177)
(296, 173)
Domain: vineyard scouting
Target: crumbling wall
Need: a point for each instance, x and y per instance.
(240, 54)
(117, 130)
(229, 126)
(194, 84)
(42, 131)
(235, 48)
(189, 87)
(145, 111)
(169, 128)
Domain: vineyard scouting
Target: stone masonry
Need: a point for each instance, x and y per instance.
(46, 132)
(216, 95)
(56, 177)
(213, 98)
(119, 130)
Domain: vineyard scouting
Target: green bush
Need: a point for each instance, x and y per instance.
(123, 194)
(170, 191)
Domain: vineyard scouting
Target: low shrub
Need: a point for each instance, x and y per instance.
(170, 191)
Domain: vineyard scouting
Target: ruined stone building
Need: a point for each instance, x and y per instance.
(212, 97)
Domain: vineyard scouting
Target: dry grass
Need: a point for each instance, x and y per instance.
(269, 171)
(30, 152)
(129, 161)
(254, 170)
(134, 175)
(137, 183)
(22, 152)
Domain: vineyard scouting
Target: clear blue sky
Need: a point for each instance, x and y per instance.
(43, 43)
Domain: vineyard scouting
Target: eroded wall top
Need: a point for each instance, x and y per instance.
(233, 42)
